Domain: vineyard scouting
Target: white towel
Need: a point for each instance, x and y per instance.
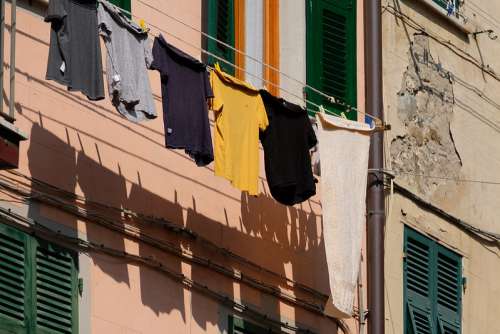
(344, 147)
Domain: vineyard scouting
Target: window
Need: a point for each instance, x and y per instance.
(432, 286)
(38, 285)
(331, 53)
(448, 5)
(240, 326)
(221, 26)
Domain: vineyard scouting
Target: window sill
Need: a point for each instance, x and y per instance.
(461, 23)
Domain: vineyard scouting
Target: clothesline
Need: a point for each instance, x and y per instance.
(330, 98)
(378, 121)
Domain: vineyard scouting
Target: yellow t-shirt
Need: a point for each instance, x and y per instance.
(239, 114)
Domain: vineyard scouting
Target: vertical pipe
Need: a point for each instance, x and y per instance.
(12, 95)
(375, 195)
(2, 28)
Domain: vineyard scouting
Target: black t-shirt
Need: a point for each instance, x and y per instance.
(287, 142)
(75, 52)
(185, 88)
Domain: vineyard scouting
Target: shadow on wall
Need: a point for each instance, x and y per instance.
(285, 240)
(282, 239)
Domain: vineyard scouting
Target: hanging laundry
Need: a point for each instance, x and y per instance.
(239, 115)
(287, 141)
(185, 90)
(128, 58)
(75, 52)
(344, 147)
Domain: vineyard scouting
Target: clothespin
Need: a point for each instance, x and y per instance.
(143, 25)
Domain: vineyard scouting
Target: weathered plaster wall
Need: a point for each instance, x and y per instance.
(450, 130)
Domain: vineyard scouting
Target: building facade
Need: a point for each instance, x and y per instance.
(441, 99)
(104, 230)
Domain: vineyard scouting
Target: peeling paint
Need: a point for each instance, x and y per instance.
(425, 107)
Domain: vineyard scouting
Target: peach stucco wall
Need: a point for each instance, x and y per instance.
(87, 148)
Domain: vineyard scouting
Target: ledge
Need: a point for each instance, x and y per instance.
(12, 130)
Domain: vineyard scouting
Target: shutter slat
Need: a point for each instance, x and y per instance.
(11, 311)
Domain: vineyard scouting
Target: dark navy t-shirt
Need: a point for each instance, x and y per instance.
(287, 141)
(185, 89)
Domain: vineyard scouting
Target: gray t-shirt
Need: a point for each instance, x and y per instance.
(127, 62)
(75, 52)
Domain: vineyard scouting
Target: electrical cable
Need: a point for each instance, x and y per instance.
(38, 230)
(446, 43)
(396, 172)
(169, 226)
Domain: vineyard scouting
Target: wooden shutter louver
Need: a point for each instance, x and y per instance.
(334, 58)
(221, 27)
(13, 280)
(55, 290)
(331, 53)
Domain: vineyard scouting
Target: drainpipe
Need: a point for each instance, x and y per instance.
(375, 192)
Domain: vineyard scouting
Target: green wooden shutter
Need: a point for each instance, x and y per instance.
(56, 290)
(432, 286)
(15, 288)
(331, 53)
(418, 281)
(38, 286)
(449, 291)
(221, 27)
(125, 4)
